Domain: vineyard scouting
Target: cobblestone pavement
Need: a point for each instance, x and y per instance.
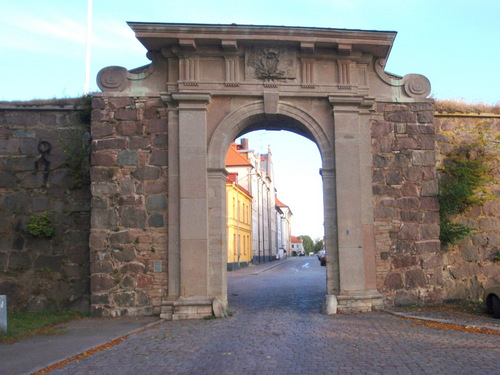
(276, 328)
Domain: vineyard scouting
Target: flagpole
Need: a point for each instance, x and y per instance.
(89, 43)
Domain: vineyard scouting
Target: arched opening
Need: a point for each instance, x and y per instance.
(276, 173)
(244, 120)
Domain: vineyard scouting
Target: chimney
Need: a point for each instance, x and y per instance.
(244, 143)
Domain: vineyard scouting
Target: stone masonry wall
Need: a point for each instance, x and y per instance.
(118, 253)
(128, 239)
(405, 185)
(43, 273)
(470, 266)
(408, 145)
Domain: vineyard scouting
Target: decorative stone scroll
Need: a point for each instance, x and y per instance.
(117, 78)
(414, 85)
(271, 63)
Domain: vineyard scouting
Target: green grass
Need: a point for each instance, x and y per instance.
(21, 325)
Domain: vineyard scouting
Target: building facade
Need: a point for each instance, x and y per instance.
(239, 224)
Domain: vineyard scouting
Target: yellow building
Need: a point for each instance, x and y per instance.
(239, 224)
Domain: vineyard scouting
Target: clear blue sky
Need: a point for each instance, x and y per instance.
(454, 43)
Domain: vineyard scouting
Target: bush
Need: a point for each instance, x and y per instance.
(41, 227)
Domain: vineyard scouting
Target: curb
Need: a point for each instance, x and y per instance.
(93, 349)
(449, 323)
(258, 272)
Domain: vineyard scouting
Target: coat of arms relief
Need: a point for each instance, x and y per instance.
(270, 63)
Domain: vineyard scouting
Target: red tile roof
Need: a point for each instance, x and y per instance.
(296, 240)
(279, 203)
(235, 158)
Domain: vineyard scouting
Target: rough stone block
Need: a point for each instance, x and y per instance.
(107, 144)
(430, 188)
(121, 237)
(394, 281)
(121, 102)
(156, 202)
(156, 221)
(429, 231)
(128, 157)
(411, 216)
(17, 203)
(161, 140)
(101, 282)
(409, 231)
(469, 253)
(129, 128)
(103, 189)
(103, 158)
(48, 263)
(19, 261)
(104, 218)
(102, 129)
(137, 143)
(465, 271)
(415, 279)
(381, 129)
(423, 158)
(404, 298)
(125, 299)
(7, 180)
(147, 173)
(155, 126)
(425, 117)
(133, 267)
(133, 217)
(144, 281)
(405, 143)
(404, 261)
(489, 224)
(159, 158)
(401, 116)
(413, 129)
(125, 114)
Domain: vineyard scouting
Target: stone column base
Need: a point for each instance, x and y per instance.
(192, 308)
(362, 301)
(353, 302)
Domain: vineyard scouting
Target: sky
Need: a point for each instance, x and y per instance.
(454, 43)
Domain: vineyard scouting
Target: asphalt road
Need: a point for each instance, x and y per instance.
(276, 328)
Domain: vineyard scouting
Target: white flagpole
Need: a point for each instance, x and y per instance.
(89, 43)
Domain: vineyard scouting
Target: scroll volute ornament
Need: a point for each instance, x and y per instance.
(414, 85)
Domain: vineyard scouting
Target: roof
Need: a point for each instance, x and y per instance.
(235, 158)
(279, 203)
(296, 240)
(232, 179)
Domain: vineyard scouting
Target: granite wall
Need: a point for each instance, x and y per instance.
(44, 169)
(120, 266)
(408, 145)
(128, 239)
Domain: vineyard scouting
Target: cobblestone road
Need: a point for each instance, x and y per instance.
(276, 328)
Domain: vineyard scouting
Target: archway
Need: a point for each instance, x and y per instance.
(283, 116)
(207, 85)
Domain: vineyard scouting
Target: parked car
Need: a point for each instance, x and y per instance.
(492, 301)
(322, 257)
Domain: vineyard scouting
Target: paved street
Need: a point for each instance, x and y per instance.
(276, 328)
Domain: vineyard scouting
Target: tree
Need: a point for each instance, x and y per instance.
(307, 242)
(318, 245)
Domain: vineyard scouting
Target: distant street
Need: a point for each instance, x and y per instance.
(276, 328)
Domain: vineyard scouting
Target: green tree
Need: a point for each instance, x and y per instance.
(307, 242)
(318, 245)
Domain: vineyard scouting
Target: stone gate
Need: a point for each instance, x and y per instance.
(161, 134)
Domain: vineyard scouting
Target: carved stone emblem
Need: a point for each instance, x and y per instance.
(270, 63)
